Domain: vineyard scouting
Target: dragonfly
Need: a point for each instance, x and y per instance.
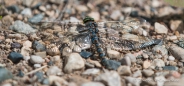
(111, 34)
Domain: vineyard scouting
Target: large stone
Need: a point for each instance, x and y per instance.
(74, 62)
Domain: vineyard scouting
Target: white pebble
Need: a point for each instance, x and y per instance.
(37, 65)
(36, 59)
(171, 58)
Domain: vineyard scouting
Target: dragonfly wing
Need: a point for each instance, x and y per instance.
(84, 41)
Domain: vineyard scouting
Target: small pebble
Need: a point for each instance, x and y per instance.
(169, 68)
(77, 48)
(115, 14)
(39, 75)
(36, 59)
(45, 81)
(15, 57)
(159, 28)
(92, 84)
(42, 8)
(177, 52)
(124, 70)
(27, 3)
(133, 81)
(160, 80)
(27, 43)
(26, 12)
(158, 63)
(171, 58)
(89, 65)
(113, 54)
(15, 45)
(42, 54)
(37, 65)
(176, 25)
(13, 8)
(20, 73)
(137, 74)
(147, 72)
(53, 70)
(110, 64)
(92, 71)
(85, 54)
(38, 46)
(96, 63)
(36, 19)
(126, 61)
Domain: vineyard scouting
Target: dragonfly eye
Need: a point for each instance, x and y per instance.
(87, 18)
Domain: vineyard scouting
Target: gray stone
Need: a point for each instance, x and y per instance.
(5, 74)
(110, 78)
(36, 19)
(26, 12)
(38, 46)
(21, 27)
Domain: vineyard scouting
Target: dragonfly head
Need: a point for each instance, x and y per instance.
(87, 18)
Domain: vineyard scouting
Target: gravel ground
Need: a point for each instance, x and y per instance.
(34, 52)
